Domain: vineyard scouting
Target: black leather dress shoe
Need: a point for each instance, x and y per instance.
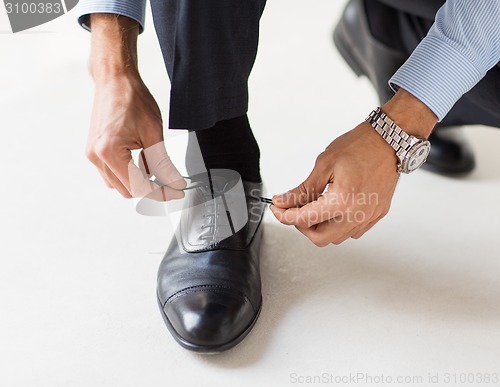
(209, 287)
(450, 154)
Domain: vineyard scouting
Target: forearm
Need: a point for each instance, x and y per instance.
(411, 114)
(462, 45)
(114, 46)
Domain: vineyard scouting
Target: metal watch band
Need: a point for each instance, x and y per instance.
(390, 132)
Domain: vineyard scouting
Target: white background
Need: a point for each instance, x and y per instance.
(419, 294)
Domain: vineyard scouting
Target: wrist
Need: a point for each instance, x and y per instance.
(410, 114)
(114, 47)
(376, 143)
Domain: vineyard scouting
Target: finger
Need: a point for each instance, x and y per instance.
(306, 192)
(106, 181)
(92, 157)
(346, 235)
(142, 187)
(358, 234)
(160, 192)
(328, 232)
(325, 208)
(119, 160)
(115, 182)
(362, 226)
(116, 157)
(164, 193)
(110, 179)
(156, 161)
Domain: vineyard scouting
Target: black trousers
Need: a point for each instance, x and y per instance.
(209, 48)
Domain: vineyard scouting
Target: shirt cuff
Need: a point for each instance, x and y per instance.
(437, 74)
(134, 9)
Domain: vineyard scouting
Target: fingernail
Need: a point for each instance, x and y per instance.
(281, 197)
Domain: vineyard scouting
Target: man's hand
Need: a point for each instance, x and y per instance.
(358, 171)
(125, 116)
(361, 177)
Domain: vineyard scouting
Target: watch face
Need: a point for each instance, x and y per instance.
(417, 156)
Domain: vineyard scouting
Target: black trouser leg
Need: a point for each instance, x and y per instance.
(412, 20)
(209, 48)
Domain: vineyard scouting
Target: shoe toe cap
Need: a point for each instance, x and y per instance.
(209, 317)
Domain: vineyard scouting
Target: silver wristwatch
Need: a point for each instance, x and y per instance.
(411, 151)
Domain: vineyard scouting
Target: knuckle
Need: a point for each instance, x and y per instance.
(339, 240)
(296, 222)
(104, 148)
(301, 222)
(320, 160)
(321, 165)
(368, 214)
(317, 243)
(322, 243)
(91, 155)
(318, 240)
(314, 239)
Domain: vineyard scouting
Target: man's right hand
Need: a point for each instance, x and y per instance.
(125, 116)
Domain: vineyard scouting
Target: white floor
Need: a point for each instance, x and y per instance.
(419, 296)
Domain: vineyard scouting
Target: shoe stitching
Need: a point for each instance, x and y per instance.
(212, 288)
(200, 287)
(216, 246)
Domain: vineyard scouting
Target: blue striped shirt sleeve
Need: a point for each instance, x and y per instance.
(460, 48)
(134, 9)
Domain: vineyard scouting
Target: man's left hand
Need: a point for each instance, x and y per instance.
(359, 172)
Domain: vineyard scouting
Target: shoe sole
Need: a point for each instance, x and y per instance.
(205, 349)
(442, 171)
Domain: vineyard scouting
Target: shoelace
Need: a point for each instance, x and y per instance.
(212, 211)
(259, 198)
